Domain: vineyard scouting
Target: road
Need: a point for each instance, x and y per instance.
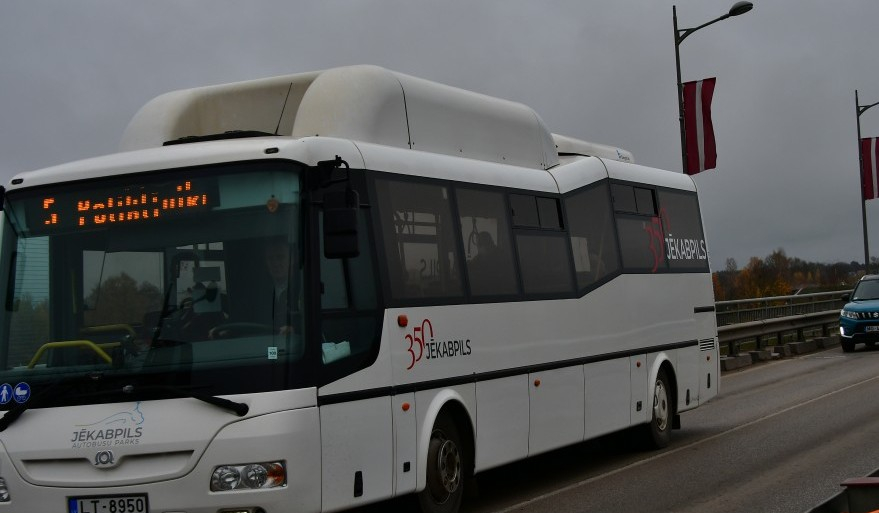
(779, 437)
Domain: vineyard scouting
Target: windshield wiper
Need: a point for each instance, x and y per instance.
(239, 409)
(62, 386)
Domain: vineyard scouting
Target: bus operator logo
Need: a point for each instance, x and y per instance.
(421, 344)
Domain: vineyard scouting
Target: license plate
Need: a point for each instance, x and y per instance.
(109, 504)
(869, 329)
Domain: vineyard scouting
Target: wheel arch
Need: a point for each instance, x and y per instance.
(664, 362)
(451, 403)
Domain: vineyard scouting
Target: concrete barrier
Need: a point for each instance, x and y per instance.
(760, 356)
(827, 342)
(804, 347)
(728, 363)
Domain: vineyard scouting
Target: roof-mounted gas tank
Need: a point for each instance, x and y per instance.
(361, 103)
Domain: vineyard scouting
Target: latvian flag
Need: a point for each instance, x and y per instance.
(870, 154)
(701, 151)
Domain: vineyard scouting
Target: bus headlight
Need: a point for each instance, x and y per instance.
(249, 476)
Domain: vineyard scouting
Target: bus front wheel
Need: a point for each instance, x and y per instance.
(446, 463)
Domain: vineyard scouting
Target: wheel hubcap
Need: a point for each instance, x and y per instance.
(449, 463)
(446, 475)
(660, 406)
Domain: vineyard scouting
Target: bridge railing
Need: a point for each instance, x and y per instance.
(754, 321)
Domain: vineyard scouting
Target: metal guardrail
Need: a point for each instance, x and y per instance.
(756, 320)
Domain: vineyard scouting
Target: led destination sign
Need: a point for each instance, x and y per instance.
(106, 206)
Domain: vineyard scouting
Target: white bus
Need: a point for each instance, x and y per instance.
(318, 291)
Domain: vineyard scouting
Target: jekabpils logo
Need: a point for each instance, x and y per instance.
(119, 429)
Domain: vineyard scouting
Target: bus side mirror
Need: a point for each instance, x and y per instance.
(340, 224)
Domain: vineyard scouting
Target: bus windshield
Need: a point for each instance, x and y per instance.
(189, 277)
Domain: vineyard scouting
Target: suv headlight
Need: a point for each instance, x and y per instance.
(848, 315)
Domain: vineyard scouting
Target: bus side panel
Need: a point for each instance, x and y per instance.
(357, 447)
(608, 394)
(502, 421)
(641, 402)
(687, 371)
(557, 405)
(405, 443)
(709, 377)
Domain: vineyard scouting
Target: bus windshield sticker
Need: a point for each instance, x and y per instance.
(5, 393)
(21, 393)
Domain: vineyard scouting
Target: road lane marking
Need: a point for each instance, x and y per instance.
(679, 449)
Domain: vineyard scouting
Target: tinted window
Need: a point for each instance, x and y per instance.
(548, 210)
(418, 232)
(644, 201)
(684, 240)
(544, 263)
(487, 246)
(624, 198)
(593, 239)
(524, 209)
(641, 243)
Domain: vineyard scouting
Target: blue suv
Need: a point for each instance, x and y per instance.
(859, 318)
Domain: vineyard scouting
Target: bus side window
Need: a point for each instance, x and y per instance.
(593, 239)
(639, 228)
(419, 234)
(542, 246)
(685, 241)
(487, 247)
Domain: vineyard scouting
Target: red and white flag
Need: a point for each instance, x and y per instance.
(869, 175)
(701, 150)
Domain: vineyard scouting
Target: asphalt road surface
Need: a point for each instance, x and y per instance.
(779, 437)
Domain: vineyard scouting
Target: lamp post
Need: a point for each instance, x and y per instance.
(681, 34)
(860, 109)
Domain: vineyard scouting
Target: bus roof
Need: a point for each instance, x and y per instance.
(362, 103)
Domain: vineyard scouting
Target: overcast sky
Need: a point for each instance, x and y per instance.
(72, 74)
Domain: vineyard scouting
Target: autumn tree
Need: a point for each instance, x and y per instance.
(28, 330)
(780, 275)
(119, 299)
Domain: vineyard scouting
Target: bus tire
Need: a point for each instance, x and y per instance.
(446, 465)
(658, 431)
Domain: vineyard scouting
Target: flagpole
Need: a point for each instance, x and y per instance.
(859, 109)
(678, 40)
(681, 34)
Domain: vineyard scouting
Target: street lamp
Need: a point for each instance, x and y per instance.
(860, 109)
(681, 34)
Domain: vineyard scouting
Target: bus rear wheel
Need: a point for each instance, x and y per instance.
(658, 431)
(446, 463)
